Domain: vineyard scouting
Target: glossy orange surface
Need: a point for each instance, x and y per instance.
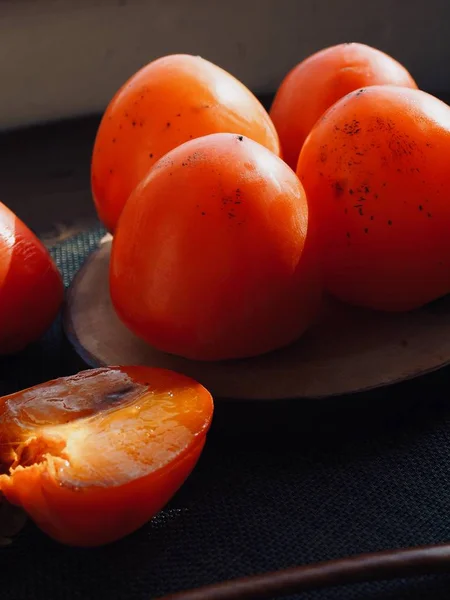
(320, 80)
(31, 289)
(214, 256)
(375, 169)
(170, 101)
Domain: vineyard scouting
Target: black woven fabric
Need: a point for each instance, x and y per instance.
(279, 484)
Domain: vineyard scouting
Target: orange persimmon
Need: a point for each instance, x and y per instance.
(316, 83)
(169, 101)
(375, 169)
(214, 257)
(31, 288)
(93, 457)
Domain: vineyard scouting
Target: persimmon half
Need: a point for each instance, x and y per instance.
(317, 82)
(94, 456)
(169, 101)
(375, 169)
(214, 256)
(31, 288)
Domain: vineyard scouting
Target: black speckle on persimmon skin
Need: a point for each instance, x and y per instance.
(323, 153)
(351, 128)
(338, 188)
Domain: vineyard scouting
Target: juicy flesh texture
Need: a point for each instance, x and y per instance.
(100, 428)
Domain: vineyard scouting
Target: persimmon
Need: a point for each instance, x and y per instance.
(169, 101)
(213, 257)
(31, 288)
(317, 82)
(375, 169)
(92, 457)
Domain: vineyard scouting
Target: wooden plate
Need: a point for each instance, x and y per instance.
(349, 350)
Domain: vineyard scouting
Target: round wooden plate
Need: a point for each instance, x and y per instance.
(348, 350)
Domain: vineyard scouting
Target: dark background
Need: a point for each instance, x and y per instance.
(65, 58)
(280, 483)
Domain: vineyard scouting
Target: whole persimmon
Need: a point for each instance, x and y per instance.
(317, 82)
(375, 169)
(31, 288)
(214, 257)
(170, 101)
(93, 457)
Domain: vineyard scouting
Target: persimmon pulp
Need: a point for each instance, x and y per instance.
(93, 457)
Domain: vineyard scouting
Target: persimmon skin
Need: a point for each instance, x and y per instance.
(317, 82)
(90, 496)
(375, 168)
(214, 257)
(170, 101)
(31, 288)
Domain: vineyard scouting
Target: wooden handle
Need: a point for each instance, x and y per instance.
(378, 566)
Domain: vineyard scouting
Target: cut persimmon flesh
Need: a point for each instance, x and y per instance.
(94, 456)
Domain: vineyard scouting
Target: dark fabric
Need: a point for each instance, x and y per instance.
(279, 484)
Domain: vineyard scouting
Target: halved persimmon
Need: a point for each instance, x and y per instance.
(94, 456)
